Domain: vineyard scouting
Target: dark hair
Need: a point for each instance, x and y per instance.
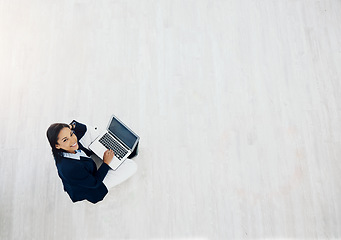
(52, 135)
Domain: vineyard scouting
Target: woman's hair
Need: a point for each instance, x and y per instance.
(52, 135)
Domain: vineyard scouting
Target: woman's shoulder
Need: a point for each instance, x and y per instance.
(68, 165)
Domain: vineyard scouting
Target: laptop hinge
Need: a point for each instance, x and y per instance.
(119, 140)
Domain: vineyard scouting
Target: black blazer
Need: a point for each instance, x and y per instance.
(81, 179)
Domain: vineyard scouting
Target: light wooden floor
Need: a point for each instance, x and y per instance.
(237, 104)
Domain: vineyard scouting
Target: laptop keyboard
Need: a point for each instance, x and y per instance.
(110, 143)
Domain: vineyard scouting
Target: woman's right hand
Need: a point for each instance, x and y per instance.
(108, 156)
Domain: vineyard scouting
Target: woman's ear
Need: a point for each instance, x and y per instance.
(57, 146)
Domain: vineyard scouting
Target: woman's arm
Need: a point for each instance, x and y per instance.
(72, 126)
(85, 134)
(81, 177)
(79, 129)
(85, 183)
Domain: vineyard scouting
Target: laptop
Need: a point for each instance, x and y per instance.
(118, 137)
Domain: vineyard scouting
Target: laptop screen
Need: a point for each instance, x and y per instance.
(123, 133)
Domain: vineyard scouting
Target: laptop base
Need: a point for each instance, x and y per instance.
(135, 152)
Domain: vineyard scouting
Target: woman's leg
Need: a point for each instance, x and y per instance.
(122, 173)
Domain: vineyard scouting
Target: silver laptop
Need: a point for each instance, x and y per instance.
(118, 137)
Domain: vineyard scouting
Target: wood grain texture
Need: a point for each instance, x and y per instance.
(237, 104)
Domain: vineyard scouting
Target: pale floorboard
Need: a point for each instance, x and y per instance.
(237, 104)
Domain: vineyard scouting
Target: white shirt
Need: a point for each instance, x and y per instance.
(77, 155)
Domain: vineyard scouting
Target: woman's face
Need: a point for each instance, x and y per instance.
(67, 140)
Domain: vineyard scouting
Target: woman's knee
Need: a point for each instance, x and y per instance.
(132, 166)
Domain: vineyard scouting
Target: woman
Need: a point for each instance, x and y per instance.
(78, 172)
